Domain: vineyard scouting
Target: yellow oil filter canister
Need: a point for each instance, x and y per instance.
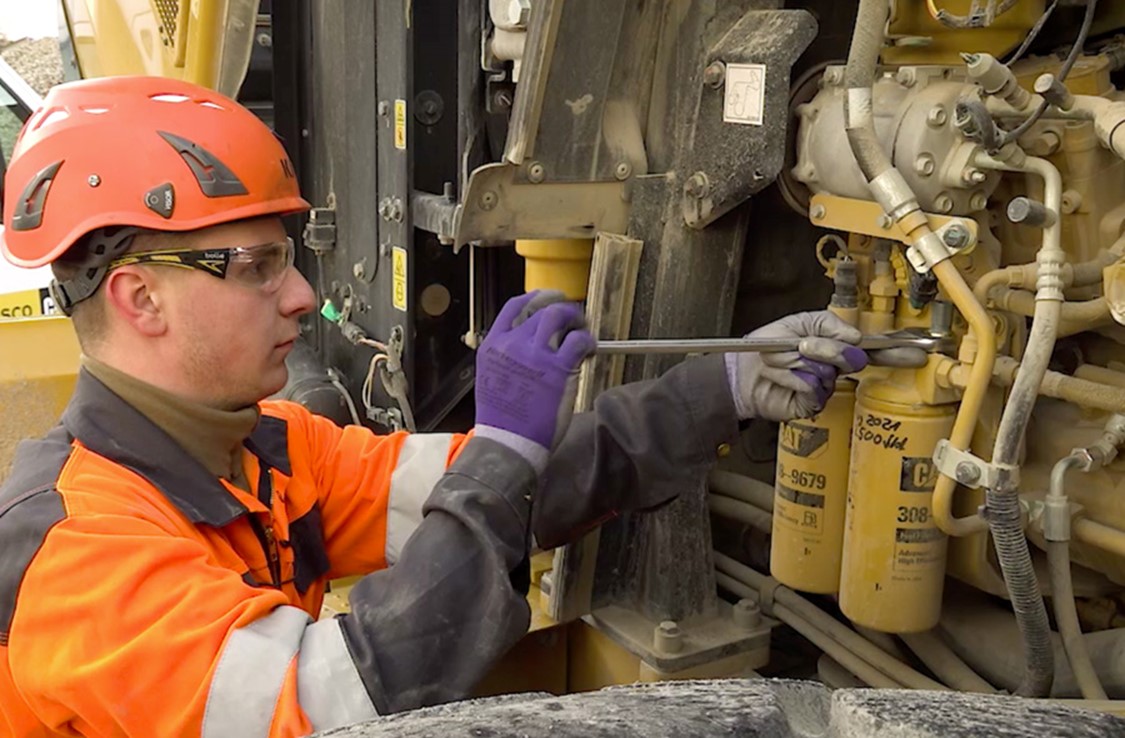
(809, 496)
(893, 566)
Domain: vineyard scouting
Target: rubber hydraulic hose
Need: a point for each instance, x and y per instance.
(741, 512)
(829, 625)
(1100, 536)
(976, 389)
(859, 78)
(939, 658)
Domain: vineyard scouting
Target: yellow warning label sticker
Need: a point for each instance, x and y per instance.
(400, 124)
(26, 304)
(399, 293)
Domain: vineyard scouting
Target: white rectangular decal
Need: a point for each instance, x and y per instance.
(745, 95)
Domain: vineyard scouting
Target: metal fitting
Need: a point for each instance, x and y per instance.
(906, 77)
(1028, 212)
(668, 637)
(715, 74)
(967, 473)
(833, 76)
(928, 250)
(1055, 518)
(817, 212)
(623, 170)
(995, 78)
(697, 185)
(954, 463)
(747, 614)
(924, 165)
(536, 173)
(937, 117)
(1054, 91)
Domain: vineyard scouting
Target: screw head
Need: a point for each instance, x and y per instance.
(536, 173)
(967, 473)
(937, 117)
(93, 180)
(623, 170)
(956, 236)
(924, 165)
(714, 74)
(818, 212)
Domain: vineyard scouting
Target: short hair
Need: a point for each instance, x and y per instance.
(90, 316)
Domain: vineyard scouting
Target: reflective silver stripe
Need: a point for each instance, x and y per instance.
(421, 462)
(251, 671)
(328, 686)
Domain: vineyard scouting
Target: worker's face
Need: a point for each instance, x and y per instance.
(229, 336)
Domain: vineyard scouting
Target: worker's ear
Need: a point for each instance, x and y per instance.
(131, 295)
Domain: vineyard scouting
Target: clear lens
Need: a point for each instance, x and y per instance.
(262, 267)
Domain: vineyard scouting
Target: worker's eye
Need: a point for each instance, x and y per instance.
(261, 266)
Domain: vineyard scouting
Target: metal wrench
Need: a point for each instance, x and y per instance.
(931, 343)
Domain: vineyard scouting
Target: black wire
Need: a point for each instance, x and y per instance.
(1072, 57)
(1033, 33)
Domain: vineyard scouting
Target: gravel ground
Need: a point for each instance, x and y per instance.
(37, 61)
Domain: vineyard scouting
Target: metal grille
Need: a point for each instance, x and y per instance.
(168, 11)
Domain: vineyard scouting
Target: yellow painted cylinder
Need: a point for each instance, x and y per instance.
(893, 567)
(810, 492)
(557, 264)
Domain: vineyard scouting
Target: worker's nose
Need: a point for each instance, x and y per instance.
(297, 297)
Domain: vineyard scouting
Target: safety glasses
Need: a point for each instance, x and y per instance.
(262, 267)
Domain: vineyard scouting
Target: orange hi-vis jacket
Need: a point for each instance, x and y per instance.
(142, 596)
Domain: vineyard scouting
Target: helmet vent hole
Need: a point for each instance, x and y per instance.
(99, 249)
(54, 116)
(171, 98)
(95, 111)
(209, 104)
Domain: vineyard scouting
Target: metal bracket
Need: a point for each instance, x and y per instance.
(320, 230)
(971, 471)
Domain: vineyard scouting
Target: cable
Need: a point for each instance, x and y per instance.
(976, 17)
(1033, 33)
(335, 380)
(1072, 57)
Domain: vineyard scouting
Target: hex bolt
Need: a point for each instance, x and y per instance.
(943, 203)
(536, 173)
(957, 236)
(1071, 201)
(1028, 212)
(747, 614)
(833, 77)
(967, 473)
(972, 176)
(714, 74)
(979, 201)
(924, 165)
(818, 212)
(906, 77)
(697, 185)
(359, 269)
(623, 170)
(1045, 144)
(937, 117)
(668, 637)
(885, 222)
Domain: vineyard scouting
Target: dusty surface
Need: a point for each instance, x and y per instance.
(38, 61)
(763, 708)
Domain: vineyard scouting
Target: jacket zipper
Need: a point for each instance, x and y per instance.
(271, 553)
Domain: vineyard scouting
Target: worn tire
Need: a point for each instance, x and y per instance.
(762, 707)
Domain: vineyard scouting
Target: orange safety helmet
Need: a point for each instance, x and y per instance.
(147, 152)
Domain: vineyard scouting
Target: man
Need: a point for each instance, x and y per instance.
(165, 549)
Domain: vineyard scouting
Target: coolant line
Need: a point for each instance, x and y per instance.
(1062, 587)
(976, 388)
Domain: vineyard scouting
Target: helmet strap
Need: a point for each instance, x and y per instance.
(103, 245)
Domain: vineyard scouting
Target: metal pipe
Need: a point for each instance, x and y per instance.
(939, 658)
(853, 663)
(824, 622)
(740, 511)
(1090, 312)
(1100, 536)
(741, 487)
(898, 339)
(1057, 532)
(1002, 501)
(1094, 395)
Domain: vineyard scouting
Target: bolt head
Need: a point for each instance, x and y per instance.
(536, 173)
(943, 203)
(937, 117)
(833, 77)
(924, 165)
(93, 180)
(358, 270)
(714, 74)
(885, 222)
(906, 77)
(696, 185)
(978, 201)
(384, 107)
(669, 628)
(967, 473)
(747, 614)
(818, 212)
(623, 170)
(956, 236)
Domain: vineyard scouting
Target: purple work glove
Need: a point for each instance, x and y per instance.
(527, 373)
(795, 384)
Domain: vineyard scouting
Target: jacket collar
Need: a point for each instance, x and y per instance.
(111, 427)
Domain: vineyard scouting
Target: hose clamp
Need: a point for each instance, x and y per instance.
(971, 471)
